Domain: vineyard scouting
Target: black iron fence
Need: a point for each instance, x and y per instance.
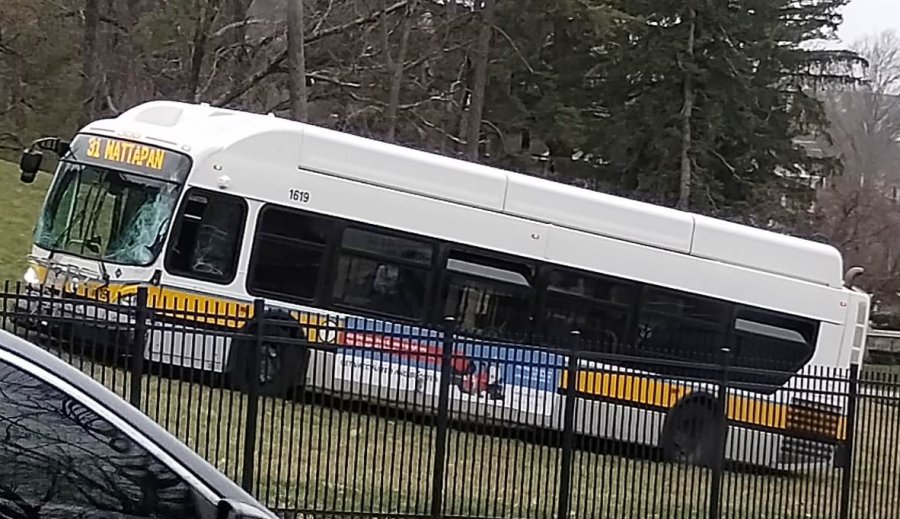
(325, 416)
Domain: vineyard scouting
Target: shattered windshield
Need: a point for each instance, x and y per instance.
(108, 215)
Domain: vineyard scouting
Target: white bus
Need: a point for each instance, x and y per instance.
(207, 205)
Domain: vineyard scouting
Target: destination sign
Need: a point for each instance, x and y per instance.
(126, 152)
(130, 156)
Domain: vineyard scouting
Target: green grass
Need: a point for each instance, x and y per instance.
(313, 457)
(20, 204)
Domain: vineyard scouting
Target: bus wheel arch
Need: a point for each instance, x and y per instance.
(284, 357)
(690, 431)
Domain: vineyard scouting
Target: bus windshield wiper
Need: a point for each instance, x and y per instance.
(64, 236)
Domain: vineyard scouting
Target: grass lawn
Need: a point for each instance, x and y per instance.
(319, 458)
(20, 204)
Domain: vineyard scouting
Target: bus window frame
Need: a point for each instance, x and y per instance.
(810, 342)
(319, 297)
(178, 225)
(439, 302)
(723, 327)
(339, 251)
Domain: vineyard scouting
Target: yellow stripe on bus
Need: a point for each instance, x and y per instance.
(174, 303)
(198, 308)
(757, 412)
(187, 305)
(662, 395)
(629, 388)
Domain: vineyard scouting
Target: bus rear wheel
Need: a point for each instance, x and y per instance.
(690, 433)
(282, 361)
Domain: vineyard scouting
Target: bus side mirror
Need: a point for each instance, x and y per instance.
(30, 164)
(851, 275)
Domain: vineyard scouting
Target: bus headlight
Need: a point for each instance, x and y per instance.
(31, 277)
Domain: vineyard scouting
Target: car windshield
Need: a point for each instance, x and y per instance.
(108, 215)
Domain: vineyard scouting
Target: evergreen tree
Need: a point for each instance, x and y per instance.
(545, 93)
(693, 103)
(747, 108)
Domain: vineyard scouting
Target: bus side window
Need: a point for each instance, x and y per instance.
(767, 340)
(597, 307)
(288, 254)
(488, 297)
(681, 326)
(383, 273)
(208, 239)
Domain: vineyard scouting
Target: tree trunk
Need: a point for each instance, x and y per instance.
(479, 81)
(299, 94)
(454, 128)
(395, 66)
(89, 56)
(450, 115)
(205, 19)
(687, 111)
(236, 12)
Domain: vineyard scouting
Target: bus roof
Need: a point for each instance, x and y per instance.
(205, 132)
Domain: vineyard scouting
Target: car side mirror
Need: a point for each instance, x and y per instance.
(30, 164)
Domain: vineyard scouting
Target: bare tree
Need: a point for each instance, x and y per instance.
(396, 65)
(687, 112)
(858, 212)
(205, 18)
(236, 31)
(882, 51)
(296, 58)
(479, 80)
(89, 59)
(274, 64)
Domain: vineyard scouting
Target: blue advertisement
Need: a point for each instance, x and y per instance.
(409, 357)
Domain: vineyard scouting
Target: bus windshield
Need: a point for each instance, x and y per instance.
(106, 214)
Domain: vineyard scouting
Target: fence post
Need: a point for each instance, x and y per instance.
(850, 430)
(138, 347)
(443, 421)
(259, 310)
(568, 436)
(715, 489)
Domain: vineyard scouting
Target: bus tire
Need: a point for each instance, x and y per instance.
(690, 432)
(282, 362)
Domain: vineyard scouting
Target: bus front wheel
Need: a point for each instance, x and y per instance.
(690, 433)
(282, 363)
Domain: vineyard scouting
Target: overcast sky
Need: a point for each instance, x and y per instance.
(864, 17)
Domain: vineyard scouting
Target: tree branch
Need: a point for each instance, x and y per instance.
(515, 48)
(274, 63)
(235, 25)
(437, 128)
